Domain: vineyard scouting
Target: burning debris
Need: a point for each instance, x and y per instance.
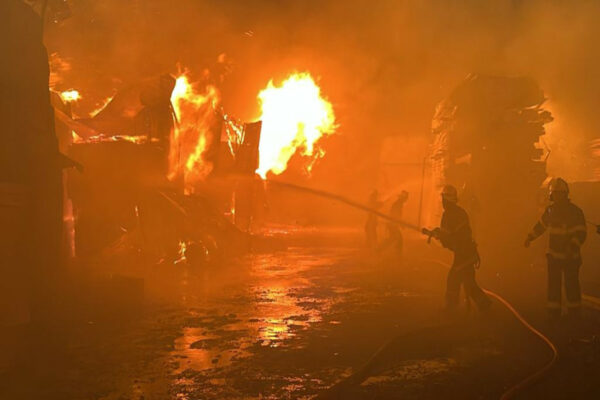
(196, 132)
(294, 118)
(170, 134)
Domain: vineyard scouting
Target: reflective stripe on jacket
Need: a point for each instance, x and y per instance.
(567, 230)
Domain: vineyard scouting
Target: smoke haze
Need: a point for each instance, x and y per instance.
(383, 64)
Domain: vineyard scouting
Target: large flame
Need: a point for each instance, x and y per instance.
(192, 134)
(294, 117)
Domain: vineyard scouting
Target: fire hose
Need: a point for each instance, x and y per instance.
(534, 377)
(529, 380)
(512, 391)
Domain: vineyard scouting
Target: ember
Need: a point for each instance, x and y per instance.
(295, 116)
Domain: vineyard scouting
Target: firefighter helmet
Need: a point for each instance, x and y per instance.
(558, 185)
(450, 193)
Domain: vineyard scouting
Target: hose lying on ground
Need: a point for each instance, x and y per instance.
(511, 392)
(529, 380)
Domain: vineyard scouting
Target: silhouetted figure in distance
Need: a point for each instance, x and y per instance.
(372, 220)
(395, 240)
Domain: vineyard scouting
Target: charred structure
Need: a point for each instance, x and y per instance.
(487, 141)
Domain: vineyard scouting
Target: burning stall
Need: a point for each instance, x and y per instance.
(146, 153)
(167, 166)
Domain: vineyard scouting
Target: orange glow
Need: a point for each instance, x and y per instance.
(294, 117)
(69, 96)
(76, 138)
(192, 136)
(58, 68)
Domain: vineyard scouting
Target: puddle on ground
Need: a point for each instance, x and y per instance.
(276, 301)
(412, 370)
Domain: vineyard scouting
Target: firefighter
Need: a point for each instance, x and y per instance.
(397, 208)
(395, 241)
(566, 225)
(455, 234)
(372, 220)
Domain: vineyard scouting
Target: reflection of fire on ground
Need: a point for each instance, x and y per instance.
(277, 303)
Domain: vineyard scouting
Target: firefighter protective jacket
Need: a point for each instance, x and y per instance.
(455, 234)
(567, 230)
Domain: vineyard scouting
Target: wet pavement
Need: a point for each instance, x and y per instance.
(281, 326)
(289, 324)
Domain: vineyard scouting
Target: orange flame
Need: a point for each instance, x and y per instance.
(294, 117)
(69, 96)
(235, 133)
(192, 135)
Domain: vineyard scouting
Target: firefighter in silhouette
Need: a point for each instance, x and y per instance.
(455, 235)
(565, 223)
(395, 240)
(372, 220)
(397, 208)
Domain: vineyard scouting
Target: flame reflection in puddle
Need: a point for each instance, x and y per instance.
(274, 302)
